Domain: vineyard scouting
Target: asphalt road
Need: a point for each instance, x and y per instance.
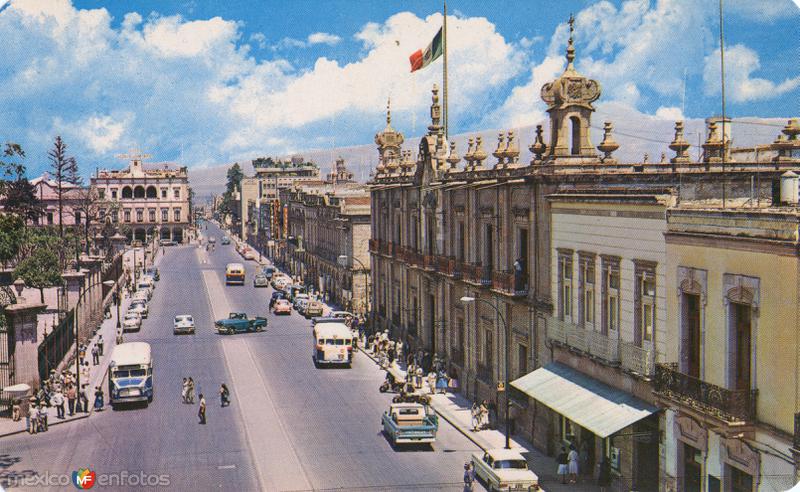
(291, 426)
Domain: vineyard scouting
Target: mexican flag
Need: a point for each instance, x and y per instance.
(421, 59)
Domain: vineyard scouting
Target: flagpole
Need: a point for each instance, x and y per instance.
(444, 75)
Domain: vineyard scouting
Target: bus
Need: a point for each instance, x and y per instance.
(130, 373)
(333, 344)
(234, 274)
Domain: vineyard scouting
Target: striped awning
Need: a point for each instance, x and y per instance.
(584, 400)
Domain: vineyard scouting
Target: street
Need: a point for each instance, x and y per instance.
(290, 426)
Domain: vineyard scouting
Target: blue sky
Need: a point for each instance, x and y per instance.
(203, 83)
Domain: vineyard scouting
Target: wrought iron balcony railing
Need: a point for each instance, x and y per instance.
(723, 403)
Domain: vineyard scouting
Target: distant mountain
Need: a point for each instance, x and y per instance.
(637, 136)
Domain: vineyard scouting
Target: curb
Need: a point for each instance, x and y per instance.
(51, 424)
(467, 433)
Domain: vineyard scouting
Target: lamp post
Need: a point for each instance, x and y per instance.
(342, 259)
(107, 283)
(469, 299)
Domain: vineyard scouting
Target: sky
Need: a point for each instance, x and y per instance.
(201, 83)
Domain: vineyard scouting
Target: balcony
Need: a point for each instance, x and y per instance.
(636, 359)
(591, 342)
(429, 262)
(454, 268)
(472, 273)
(486, 276)
(510, 283)
(725, 404)
(442, 264)
(374, 245)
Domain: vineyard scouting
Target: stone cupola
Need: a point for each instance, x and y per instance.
(569, 99)
(389, 142)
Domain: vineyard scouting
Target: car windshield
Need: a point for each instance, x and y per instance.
(131, 316)
(181, 319)
(515, 464)
(138, 373)
(121, 374)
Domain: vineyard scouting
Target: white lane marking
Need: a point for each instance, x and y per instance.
(226, 467)
(277, 465)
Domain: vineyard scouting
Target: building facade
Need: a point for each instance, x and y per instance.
(328, 241)
(46, 190)
(145, 203)
(553, 273)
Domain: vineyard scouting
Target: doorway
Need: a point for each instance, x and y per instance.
(691, 327)
(692, 469)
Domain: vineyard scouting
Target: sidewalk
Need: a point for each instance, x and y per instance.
(97, 373)
(455, 409)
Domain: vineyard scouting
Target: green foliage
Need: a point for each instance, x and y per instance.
(234, 177)
(40, 270)
(11, 236)
(19, 197)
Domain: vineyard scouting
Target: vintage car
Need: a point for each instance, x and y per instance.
(240, 323)
(145, 287)
(132, 321)
(280, 282)
(139, 306)
(249, 253)
(260, 280)
(212, 240)
(225, 240)
(184, 323)
(410, 423)
(504, 469)
(313, 309)
(299, 299)
(282, 306)
(153, 272)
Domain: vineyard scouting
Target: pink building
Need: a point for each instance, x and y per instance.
(46, 190)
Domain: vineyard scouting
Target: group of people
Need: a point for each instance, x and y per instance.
(480, 415)
(188, 392)
(61, 392)
(570, 461)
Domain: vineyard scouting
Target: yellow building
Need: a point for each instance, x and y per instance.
(731, 382)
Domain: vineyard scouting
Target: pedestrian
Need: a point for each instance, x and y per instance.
(572, 462)
(224, 395)
(72, 396)
(100, 344)
(95, 355)
(84, 397)
(475, 412)
(25, 412)
(33, 422)
(85, 371)
(16, 414)
(185, 390)
(432, 382)
(191, 391)
(58, 402)
(43, 410)
(469, 477)
(82, 353)
(604, 475)
(119, 337)
(98, 399)
(201, 411)
(563, 461)
(441, 382)
(418, 373)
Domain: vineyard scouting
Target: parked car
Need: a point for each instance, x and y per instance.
(225, 240)
(300, 305)
(240, 323)
(145, 288)
(280, 282)
(167, 243)
(139, 306)
(260, 280)
(282, 306)
(249, 253)
(184, 323)
(132, 321)
(299, 298)
(504, 469)
(312, 309)
(268, 271)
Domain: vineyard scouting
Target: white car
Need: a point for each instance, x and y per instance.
(184, 323)
(132, 321)
(139, 306)
(145, 287)
(504, 469)
(249, 254)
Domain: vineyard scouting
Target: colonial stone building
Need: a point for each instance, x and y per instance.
(145, 202)
(328, 239)
(552, 273)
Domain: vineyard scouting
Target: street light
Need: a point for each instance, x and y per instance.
(107, 283)
(469, 299)
(342, 260)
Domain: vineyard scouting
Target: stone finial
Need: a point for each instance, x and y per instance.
(787, 144)
(713, 145)
(469, 155)
(512, 148)
(436, 112)
(608, 145)
(791, 130)
(663, 158)
(570, 44)
(538, 148)
(500, 151)
(479, 155)
(646, 158)
(679, 145)
(453, 159)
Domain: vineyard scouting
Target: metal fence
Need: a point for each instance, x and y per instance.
(55, 345)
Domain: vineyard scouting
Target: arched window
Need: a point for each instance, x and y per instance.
(152, 192)
(138, 192)
(576, 135)
(127, 192)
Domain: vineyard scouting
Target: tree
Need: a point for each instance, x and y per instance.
(88, 205)
(9, 165)
(19, 198)
(40, 270)
(11, 235)
(65, 172)
(191, 205)
(234, 177)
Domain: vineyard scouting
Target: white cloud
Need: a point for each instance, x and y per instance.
(101, 134)
(260, 39)
(740, 85)
(765, 12)
(323, 38)
(669, 113)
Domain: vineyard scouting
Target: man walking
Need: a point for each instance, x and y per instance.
(84, 398)
(95, 355)
(72, 395)
(58, 402)
(100, 344)
(201, 411)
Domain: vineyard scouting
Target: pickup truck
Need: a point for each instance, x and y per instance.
(410, 423)
(239, 323)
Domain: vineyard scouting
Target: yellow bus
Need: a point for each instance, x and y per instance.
(234, 274)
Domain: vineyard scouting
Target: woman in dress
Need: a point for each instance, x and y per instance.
(573, 458)
(98, 399)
